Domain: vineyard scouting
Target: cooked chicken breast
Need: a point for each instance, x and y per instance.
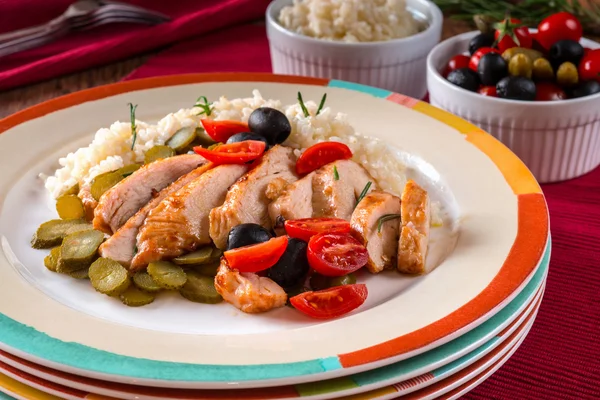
(247, 201)
(414, 230)
(121, 246)
(179, 224)
(123, 200)
(88, 201)
(295, 202)
(382, 245)
(247, 291)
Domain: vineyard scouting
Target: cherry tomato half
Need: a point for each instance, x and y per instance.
(332, 302)
(306, 228)
(233, 153)
(321, 154)
(559, 26)
(510, 33)
(257, 257)
(457, 62)
(489, 91)
(547, 91)
(589, 67)
(336, 254)
(220, 131)
(474, 61)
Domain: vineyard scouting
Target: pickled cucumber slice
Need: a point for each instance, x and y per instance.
(103, 182)
(203, 137)
(198, 257)
(69, 206)
(182, 139)
(52, 233)
(134, 297)
(145, 282)
(78, 250)
(167, 275)
(51, 260)
(158, 152)
(200, 289)
(80, 273)
(72, 190)
(109, 277)
(208, 269)
(128, 170)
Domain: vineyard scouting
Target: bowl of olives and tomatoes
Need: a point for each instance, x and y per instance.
(540, 97)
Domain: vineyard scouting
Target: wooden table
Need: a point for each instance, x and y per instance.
(17, 99)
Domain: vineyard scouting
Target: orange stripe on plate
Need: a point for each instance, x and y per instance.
(443, 116)
(526, 252)
(129, 86)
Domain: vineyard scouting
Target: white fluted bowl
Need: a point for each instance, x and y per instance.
(557, 140)
(397, 65)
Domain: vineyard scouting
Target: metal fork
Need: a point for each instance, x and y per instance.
(81, 15)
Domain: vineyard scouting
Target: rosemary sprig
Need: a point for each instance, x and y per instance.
(384, 219)
(322, 104)
(336, 175)
(206, 107)
(133, 125)
(303, 106)
(364, 192)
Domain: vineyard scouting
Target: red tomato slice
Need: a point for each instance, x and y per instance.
(257, 257)
(336, 254)
(321, 154)
(220, 131)
(306, 228)
(332, 302)
(233, 153)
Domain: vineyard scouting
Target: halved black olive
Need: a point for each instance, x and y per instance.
(292, 267)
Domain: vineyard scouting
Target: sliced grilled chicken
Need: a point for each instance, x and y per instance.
(382, 245)
(180, 224)
(121, 246)
(247, 291)
(414, 229)
(88, 201)
(295, 202)
(123, 200)
(247, 201)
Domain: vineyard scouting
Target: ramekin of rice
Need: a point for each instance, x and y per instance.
(381, 43)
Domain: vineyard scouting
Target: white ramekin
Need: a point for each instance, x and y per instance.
(398, 65)
(557, 140)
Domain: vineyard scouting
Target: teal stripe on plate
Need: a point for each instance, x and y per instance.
(382, 93)
(464, 359)
(4, 396)
(440, 353)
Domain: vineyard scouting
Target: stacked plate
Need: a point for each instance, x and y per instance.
(433, 336)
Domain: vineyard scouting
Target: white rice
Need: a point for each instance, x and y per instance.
(350, 21)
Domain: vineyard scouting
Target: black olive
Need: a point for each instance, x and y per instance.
(242, 137)
(481, 40)
(516, 88)
(491, 69)
(292, 267)
(586, 89)
(465, 78)
(270, 123)
(565, 51)
(247, 234)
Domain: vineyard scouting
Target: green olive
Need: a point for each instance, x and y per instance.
(566, 75)
(520, 65)
(542, 70)
(532, 54)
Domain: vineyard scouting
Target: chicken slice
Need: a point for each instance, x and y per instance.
(121, 246)
(247, 291)
(382, 245)
(88, 201)
(120, 202)
(247, 201)
(294, 202)
(414, 229)
(179, 224)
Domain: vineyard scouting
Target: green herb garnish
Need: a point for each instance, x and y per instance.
(205, 106)
(303, 106)
(385, 218)
(336, 175)
(133, 125)
(322, 104)
(364, 192)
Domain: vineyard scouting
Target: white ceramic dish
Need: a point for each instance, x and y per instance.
(557, 140)
(99, 338)
(397, 65)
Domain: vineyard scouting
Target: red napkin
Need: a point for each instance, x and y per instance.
(109, 43)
